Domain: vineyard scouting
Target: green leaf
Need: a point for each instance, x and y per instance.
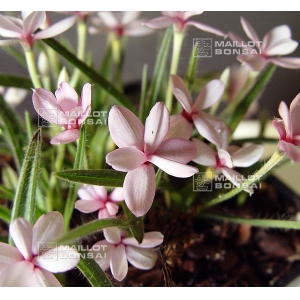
(24, 201)
(91, 73)
(4, 214)
(192, 68)
(93, 273)
(90, 228)
(6, 193)
(13, 131)
(15, 81)
(108, 178)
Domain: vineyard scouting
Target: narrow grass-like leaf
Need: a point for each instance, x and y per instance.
(142, 104)
(90, 228)
(136, 223)
(6, 193)
(93, 273)
(13, 131)
(24, 201)
(238, 114)
(108, 178)
(72, 194)
(4, 214)
(192, 68)
(91, 73)
(15, 81)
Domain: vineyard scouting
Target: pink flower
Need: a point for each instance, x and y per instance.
(93, 197)
(24, 29)
(289, 128)
(207, 125)
(180, 21)
(30, 263)
(64, 110)
(124, 23)
(117, 248)
(275, 43)
(140, 146)
(228, 157)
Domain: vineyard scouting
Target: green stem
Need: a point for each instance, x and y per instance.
(32, 68)
(177, 44)
(81, 33)
(275, 159)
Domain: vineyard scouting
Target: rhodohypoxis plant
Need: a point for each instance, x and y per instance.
(64, 109)
(113, 191)
(33, 260)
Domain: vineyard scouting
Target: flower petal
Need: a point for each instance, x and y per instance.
(286, 62)
(33, 21)
(86, 96)
(67, 136)
(205, 155)
(160, 22)
(247, 156)
(173, 168)
(112, 208)
(225, 158)
(66, 96)
(181, 93)
(279, 126)
(180, 127)
(118, 263)
(290, 149)
(139, 189)
(88, 206)
(21, 233)
(156, 127)
(17, 274)
(209, 95)
(9, 29)
(254, 61)
(9, 255)
(42, 278)
(48, 228)
(179, 150)
(249, 30)
(56, 28)
(129, 16)
(60, 259)
(125, 128)
(117, 195)
(126, 159)
(113, 234)
(108, 18)
(141, 258)
(150, 240)
(206, 28)
(102, 252)
(285, 115)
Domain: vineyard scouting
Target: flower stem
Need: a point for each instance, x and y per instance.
(32, 68)
(177, 44)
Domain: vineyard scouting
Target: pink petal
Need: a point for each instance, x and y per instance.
(117, 195)
(173, 168)
(156, 127)
(86, 96)
(180, 127)
(33, 21)
(132, 30)
(89, 192)
(48, 228)
(118, 263)
(17, 274)
(104, 214)
(206, 28)
(181, 93)
(60, 259)
(247, 156)
(279, 126)
(150, 240)
(125, 128)
(225, 158)
(285, 115)
(205, 156)
(9, 255)
(102, 252)
(67, 136)
(113, 234)
(47, 106)
(126, 159)
(282, 48)
(56, 28)
(42, 278)
(295, 103)
(9, 29)
(21, 233)
(112, 208)
(254, 61)
(249, 30)
(188, 14)
(160, 22)
(108, 18)
(209, 95)
(100, 192)
(88, 206)
(179, 150)
(295, 116)
(286, 62)
(290, 149)
(239, 40)
(141, 258)
(67, 97)
(139, 189)
(129, 16)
